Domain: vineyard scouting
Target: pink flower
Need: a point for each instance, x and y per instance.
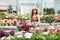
(53, 32)
(18, 33)
(51, 27)
(31, 24)
(42, 28)
(4, 38)
(58, 28)
(38, 30)
(23, 31)
(12, 32)
(2, 32)
(31, 29)
(24, 26)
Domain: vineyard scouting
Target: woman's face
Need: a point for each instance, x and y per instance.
(34, 11)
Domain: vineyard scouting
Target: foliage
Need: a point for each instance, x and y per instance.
(27, 16)
(2, 15)
(42, 37)
(48, 11)
(50, 18)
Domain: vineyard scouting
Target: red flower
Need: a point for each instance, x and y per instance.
(23, 19)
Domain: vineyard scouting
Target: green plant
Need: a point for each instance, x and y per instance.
(48, 11)
(50, 18)
(40, 37)
(2, 15)
(27, 16)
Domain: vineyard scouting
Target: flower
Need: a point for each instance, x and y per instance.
(2, 32)
(23, 19)
(12, 32)
(4, 38)
(51, 28)
(38, 30)
(42, 28)
(53, 32)
(31, 24)
(31, 29)
(58, 29)
(18, 33)
(24, 26)
(23, 31)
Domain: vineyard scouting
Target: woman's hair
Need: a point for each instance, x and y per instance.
(33, 10)
(33, 13)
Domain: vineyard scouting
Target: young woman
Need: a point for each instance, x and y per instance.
(34, 16)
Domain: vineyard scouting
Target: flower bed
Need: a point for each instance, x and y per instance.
(32, 31)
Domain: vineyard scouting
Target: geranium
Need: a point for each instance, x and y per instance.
(24, 26)
(18, 33)
(2, 33)
(23, 20)
(23, 31)
(58, 16)
(42, 28)
(58, 29)
(31, 29)
(31, 24)
(12, 32)
(51, 28)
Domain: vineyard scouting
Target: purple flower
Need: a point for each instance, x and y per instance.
(24, 26)
(12, 32)
(2, 33)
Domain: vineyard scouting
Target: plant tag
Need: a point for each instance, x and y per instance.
(28, 35)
